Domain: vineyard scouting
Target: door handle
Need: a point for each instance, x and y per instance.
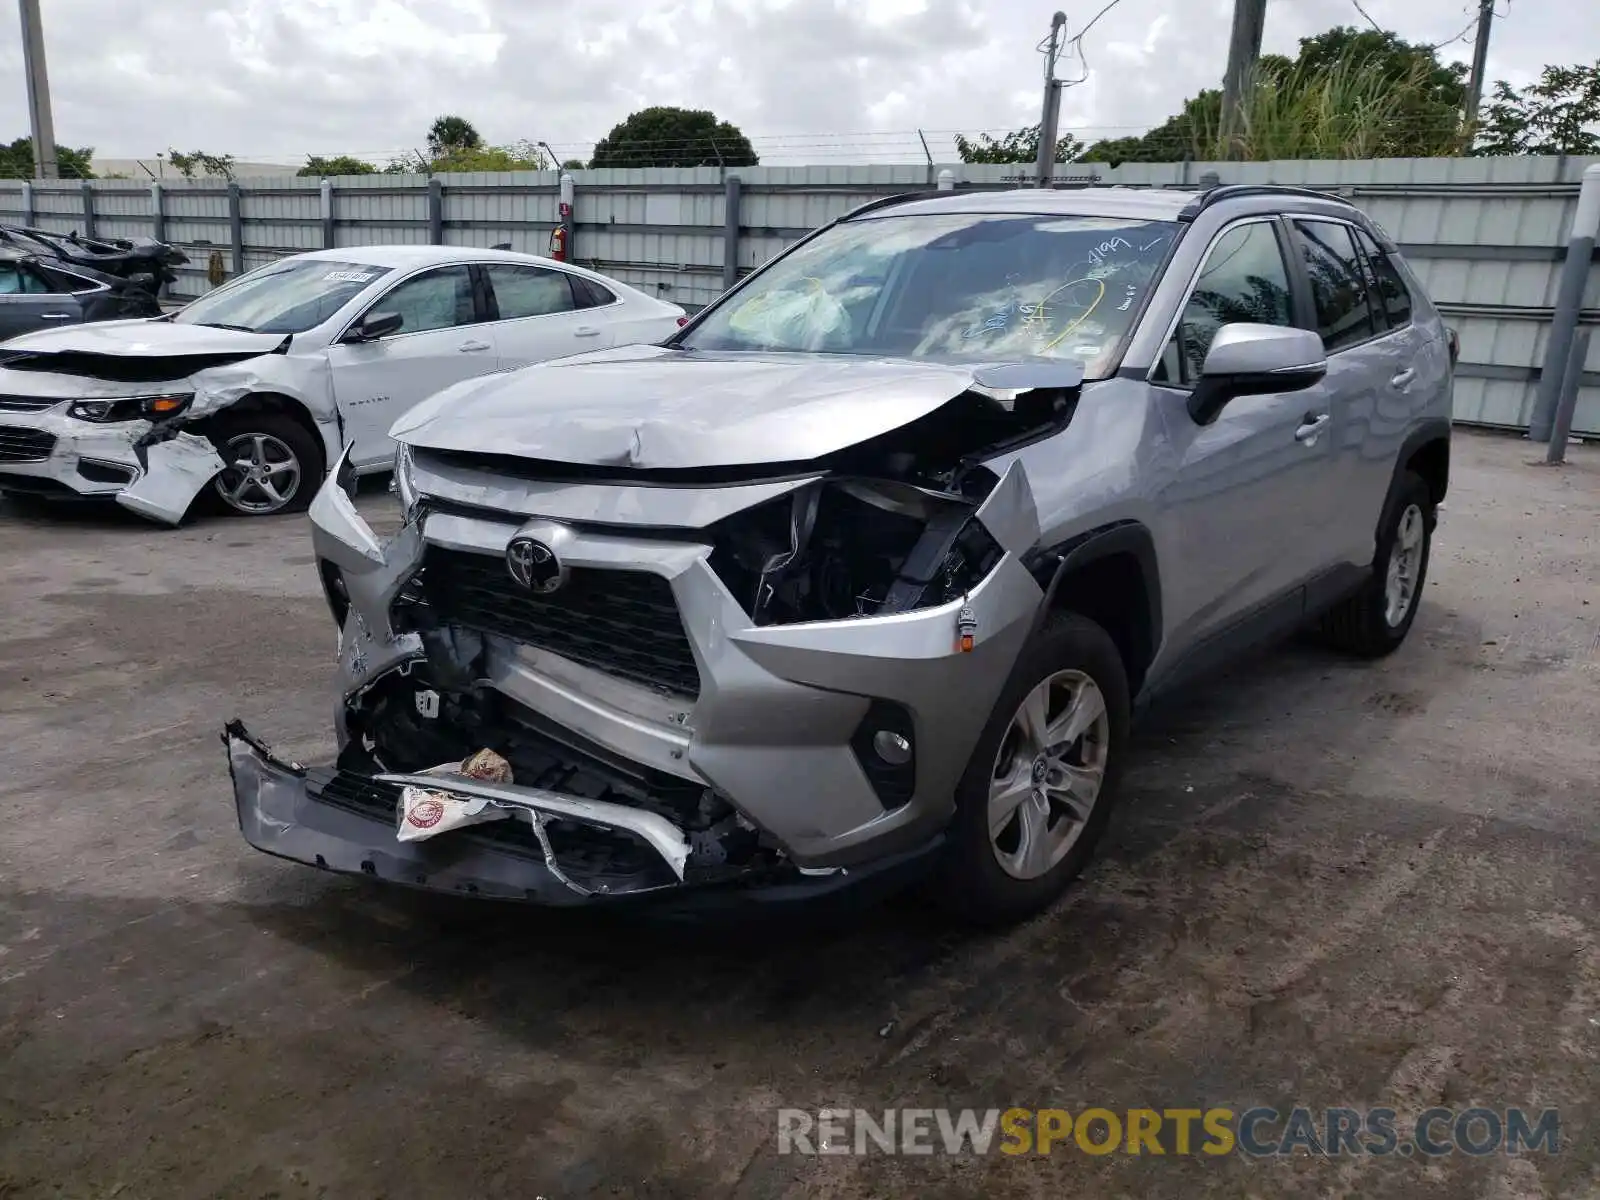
(472, 347)
(55, 316)
(1404, 377)
(1313, 426)
(586, 331)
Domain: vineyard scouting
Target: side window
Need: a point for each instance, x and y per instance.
(436, 299)
(1244, 279)
(1393, 297)
(1338, 285)
(589, 294)
(529, 291)
(10, 280)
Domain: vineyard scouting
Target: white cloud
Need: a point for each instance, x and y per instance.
(824, 80)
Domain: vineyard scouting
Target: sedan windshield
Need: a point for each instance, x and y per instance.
(283, 297)
(959, 287)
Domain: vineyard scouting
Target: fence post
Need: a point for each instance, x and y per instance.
(236, 226)
(564, 214)
(158, 212)
(1561, 425)
(1569, 299)
(326, 188)
(27, 203)
(730, 231)
(947, 180)
(435, 211)
(87, 189)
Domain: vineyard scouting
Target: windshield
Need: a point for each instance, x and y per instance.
(282, 297)
(961, 287)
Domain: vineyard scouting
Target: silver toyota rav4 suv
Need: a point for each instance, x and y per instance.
(865, 570)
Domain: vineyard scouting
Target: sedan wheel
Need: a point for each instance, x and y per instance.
(1048, 774)
(262, 476)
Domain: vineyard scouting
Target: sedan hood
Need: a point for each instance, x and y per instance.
(153, 338)
(653, 408)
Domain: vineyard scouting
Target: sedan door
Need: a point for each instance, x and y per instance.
(538, 316)
(443, 338)
(28, 302)
(1246, 500)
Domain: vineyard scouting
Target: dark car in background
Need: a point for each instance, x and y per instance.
(39, 290)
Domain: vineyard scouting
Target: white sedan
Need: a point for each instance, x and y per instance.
(257, 386)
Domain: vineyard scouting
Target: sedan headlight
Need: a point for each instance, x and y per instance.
(131, 408)
(403, 486)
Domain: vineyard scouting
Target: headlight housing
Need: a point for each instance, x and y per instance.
(403, 486)
(131, 408)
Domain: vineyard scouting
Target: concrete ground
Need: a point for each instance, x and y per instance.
(1327, 884)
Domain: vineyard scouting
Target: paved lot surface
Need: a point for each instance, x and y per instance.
(1329, 884)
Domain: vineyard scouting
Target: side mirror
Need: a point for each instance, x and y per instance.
(375, 326)
(1255, 360)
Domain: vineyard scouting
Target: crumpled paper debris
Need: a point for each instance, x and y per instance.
(427, 812)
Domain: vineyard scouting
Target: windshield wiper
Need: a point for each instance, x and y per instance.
(224, 325)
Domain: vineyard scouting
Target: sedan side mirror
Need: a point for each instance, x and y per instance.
(375, 326)
(1255, 360)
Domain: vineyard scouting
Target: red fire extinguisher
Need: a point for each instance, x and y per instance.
(558, 243)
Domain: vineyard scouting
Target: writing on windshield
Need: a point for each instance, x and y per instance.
(283, 297)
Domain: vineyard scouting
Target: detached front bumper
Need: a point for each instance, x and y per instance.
(56, 456)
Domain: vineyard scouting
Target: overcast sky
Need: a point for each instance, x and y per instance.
(807, 80)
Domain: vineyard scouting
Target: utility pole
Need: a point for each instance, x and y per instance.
(1480, 61)
(43, 127)
(1050, 113)
(1244, 49)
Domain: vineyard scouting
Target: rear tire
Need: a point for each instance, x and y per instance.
(1374, 621)
(997, 869)
(272, 464)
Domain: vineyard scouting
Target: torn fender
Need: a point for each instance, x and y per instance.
(176, 470)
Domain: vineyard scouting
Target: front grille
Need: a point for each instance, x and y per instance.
(27, 403)
(624, 623)
(25, 445)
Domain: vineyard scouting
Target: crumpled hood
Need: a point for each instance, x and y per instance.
(144, 337)
(649, 407)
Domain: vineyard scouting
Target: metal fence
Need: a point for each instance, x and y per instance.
(1488, 236)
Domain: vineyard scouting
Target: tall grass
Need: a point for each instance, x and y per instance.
(1353, 109)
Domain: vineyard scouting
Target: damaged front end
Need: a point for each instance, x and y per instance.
(761, 678)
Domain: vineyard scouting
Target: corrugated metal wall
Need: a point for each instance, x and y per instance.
(1487, 235)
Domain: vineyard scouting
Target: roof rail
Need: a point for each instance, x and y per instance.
(1235, 191)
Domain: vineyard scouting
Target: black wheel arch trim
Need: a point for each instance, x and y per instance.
(1435, 429)
(1050, 564)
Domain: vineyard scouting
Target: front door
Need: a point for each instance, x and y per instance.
(442, 339)
(1244, 506)
(27, 302)
(537, 317)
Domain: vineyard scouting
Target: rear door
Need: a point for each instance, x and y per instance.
(538, 316)
(28, 301)
(1369, 372)
(445, 337)
(1246, 500)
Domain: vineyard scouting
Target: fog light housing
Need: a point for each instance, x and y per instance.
(885, 746)
(894, 748)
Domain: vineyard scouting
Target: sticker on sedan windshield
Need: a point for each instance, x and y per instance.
(350, 276)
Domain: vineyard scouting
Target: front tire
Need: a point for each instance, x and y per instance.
(1039, 787)
(272, 464)
(1374, 621)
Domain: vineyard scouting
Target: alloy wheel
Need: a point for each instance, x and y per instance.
(1048, 773)
(262, 475)
(1405, 566)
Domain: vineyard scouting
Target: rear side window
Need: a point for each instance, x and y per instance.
(586, 293)
(1391, 294)
(529, 291)
(16, 279)
(1244, 279)
(1338, 283)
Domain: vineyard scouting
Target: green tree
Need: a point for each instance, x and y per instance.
(573, 164)
(16, 160)
(451, 133)
(663, 136)
(1020, 146)
(517, 156)
(1557, 114)
(199, 160)
(339, 164)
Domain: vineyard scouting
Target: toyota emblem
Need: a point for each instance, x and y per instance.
(534, 565)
